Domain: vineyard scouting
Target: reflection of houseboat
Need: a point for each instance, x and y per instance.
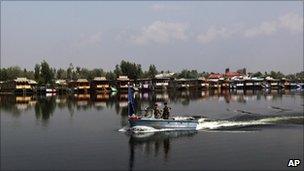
(23, 102)
(82, 86)
(82, 99)
(161, 97)
(123, 99)
(100, 85)
(101, 99)
(17, 86)
(122, 83)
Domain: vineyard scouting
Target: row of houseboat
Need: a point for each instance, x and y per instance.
(159, 83)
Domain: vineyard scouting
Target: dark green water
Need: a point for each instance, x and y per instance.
(246, 131)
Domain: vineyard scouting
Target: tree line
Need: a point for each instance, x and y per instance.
(43, 73)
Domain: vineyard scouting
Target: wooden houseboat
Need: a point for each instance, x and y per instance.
(17, 86)
(237, 83)
(100, 85)
(213, 80)
(82, 86)
(160, 84)
(145, 84)
(61, 86)
(271, 83)
(122, 83)
(223, 83)
(181, 84)
(202, 83)
(285, 83)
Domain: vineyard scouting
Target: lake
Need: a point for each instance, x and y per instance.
(251, 130)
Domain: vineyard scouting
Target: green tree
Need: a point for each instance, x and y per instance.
(132, 70)
(69, 71)
(257, 74)
(152, 71)
(46, 74)
(61, 74)
(117, 70)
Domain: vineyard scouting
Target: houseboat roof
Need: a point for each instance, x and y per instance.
(82, 80)
(21, 79)
(270, 79)
(144, 79)
(186, 79)
(232, 74)
(165, 75)
(32, 82)
(100, 79)
(215, 76)
(202, 78)
(123, 78)
(60, 81)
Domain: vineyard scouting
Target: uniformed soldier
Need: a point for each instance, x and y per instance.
(166, 111)
(157, 112)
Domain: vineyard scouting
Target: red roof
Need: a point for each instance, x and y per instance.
(232, 74)
(215, 76)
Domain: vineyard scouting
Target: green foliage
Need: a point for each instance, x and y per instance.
(257, 74)
(111, 76)
(193, 74)
(46, 73)
(152, 71)
(132, 70)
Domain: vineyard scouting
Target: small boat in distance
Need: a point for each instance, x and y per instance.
(173, 123)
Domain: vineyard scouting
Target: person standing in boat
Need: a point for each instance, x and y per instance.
(157, 112)
(166, 111)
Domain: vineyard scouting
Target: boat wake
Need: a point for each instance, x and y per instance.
(142, 129)
(251, 122)
(235, 123)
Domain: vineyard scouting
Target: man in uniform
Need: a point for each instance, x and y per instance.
(166, 111)
(157, 112)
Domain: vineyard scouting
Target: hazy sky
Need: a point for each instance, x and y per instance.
(207, 36)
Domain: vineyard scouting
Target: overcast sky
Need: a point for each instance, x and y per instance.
(207, 36)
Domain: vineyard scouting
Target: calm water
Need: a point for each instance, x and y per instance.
(244, 131)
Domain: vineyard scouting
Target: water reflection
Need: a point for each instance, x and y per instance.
(154, 143)
(44, 106)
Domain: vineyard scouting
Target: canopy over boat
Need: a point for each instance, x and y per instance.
(188, 123)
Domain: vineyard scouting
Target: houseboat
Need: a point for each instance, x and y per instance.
(257, 83)
(100, 85)
(160, 84)
(237, 83)
(285, 83)
(144, 84)
(213, 80)
(61, 86)
(17, 86)
(181, 84)
(202, 83)
(271, 83)
(224, 83)
(122, 83)
(82, 86)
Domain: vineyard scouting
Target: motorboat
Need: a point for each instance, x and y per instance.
(172, 123)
